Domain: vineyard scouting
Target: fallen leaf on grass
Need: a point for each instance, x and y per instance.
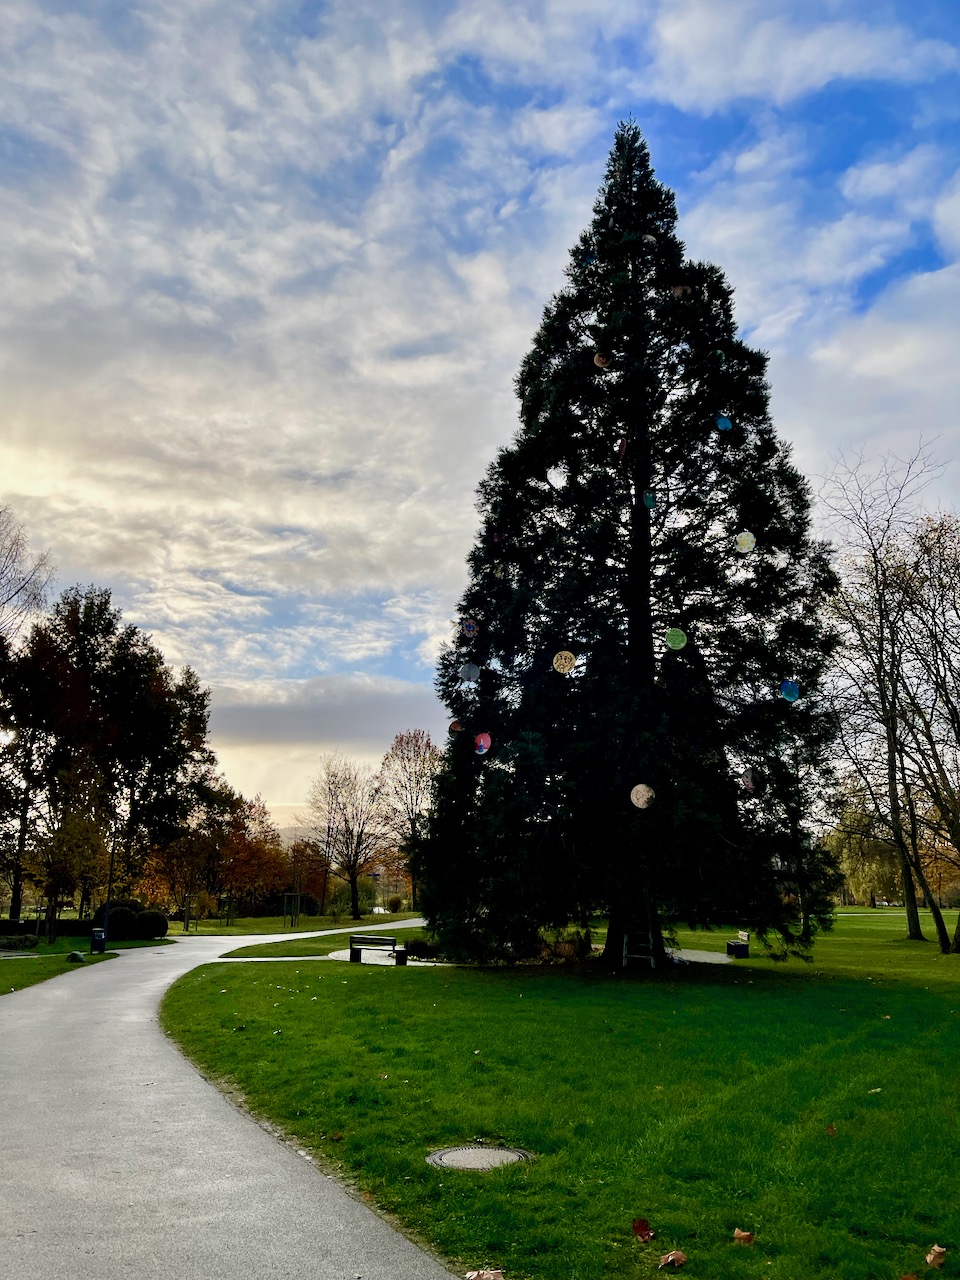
(831, 1131)
(742, 1237)
(484, 1275)
(641, 1229)
(936, 1256)
(875, 1091)
(673, 1259)
(384, 1076)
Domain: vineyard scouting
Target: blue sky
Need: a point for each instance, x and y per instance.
(271, 269)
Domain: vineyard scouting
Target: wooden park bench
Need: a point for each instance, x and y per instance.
(739, 947)
(359, 941)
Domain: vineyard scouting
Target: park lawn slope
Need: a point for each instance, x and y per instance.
(321, 946)
(20, 969)
(700, 1100)
(17, 973)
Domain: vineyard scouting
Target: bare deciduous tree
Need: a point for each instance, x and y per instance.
(877, 691)
(407, 772)
(351, 820)
(23, 579)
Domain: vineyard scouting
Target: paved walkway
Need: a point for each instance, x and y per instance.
(119, 1161)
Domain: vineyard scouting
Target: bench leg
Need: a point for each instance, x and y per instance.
(401, 957)
(354, 955)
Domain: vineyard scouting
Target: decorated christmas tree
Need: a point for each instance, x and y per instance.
(633, 681)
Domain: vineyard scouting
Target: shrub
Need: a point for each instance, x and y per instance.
(14, 927)
(76, 957)
(19, 942)
(151, 924)
(394, 903)
(74, 928)
(421, 949)
(128, 904)
(122, 924)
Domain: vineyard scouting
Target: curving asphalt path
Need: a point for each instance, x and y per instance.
(118, 1161)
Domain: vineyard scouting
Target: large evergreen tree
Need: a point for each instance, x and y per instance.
(611, 531)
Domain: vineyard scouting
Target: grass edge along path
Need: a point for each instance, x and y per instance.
(818, 1111)
(22, 969)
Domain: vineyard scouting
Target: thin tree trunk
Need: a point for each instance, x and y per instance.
(16, 889)
(914, 931)
(612, 954)
(355, 896)
(943, 937)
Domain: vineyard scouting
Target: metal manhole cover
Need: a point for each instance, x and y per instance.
(475, 1156)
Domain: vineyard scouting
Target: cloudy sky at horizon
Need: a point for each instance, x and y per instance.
(271, 267)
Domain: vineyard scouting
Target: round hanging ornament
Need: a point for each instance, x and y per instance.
(641, 795)
(676, 638)
(470, 672)
(651, 240)
(481, 744)
(649, 498)
(754, 783)
(790, 690)
(456, 726)
(723, 422)
(621, 446)
(745, 542)
(600, 360)
(469, 627)
(564, 661)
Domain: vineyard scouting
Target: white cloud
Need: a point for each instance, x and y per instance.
(882, 380)
(707, 55)
(269, 734)
(267, 289)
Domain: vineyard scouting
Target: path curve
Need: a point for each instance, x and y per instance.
(118, 1160)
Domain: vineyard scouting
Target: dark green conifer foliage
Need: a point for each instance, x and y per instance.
(612, 518)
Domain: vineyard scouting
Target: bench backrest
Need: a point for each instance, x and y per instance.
(742, 935)
(365, 940)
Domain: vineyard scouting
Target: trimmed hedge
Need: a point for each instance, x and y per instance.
(129, 904)
(11, 928)
(122, 924)
(19, 942)
(151, 924)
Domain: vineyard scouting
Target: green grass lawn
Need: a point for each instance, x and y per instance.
(275, 924)
(319, 946)
(26, 968)
(699, 1099)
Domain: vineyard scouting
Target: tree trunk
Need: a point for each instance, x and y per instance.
(943, 937)
(51, 920)
(612, 954)
(16, 889)
(955, 948)
(914, 932)
(355, 896)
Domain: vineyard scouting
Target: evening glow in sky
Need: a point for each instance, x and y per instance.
(270, 269)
